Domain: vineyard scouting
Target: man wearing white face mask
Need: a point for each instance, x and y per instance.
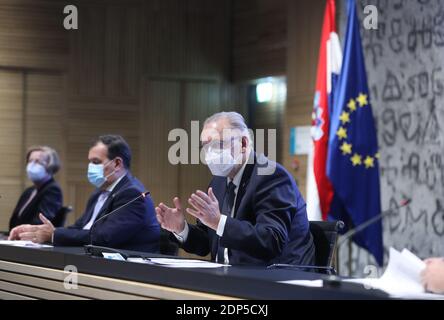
(45, 195)
(133, 227)
(250, 214)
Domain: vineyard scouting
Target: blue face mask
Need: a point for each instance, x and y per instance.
(96, 174)
(36, 172)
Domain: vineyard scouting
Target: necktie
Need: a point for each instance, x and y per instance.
(227, 206)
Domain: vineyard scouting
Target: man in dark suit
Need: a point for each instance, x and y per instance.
(134, 227)
(253, 212)
(45, 195)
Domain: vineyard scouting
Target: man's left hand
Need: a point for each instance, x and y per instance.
(206, 208)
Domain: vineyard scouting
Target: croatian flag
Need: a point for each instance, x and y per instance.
(319, 188)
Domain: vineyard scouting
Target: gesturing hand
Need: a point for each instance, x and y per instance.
(171, 219)
(206, 208)
(35, 233)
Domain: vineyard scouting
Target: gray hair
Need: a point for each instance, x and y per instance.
(52, 158)
(236, 121)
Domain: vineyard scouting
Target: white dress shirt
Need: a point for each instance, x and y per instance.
(100, 201)
(183, 235)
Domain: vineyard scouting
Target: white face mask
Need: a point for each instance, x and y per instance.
(36, 172)
(221, 162)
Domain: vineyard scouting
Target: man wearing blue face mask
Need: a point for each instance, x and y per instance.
(45, 195)
(133, 227)
(252, 213)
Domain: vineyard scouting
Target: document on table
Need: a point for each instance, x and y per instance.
(402, 277)
(23, 243)
(305, 283)
(178, 263)
(113, 256)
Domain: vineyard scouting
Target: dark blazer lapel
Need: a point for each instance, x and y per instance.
(25, 196)
(40, 193)
(219, 186)
(105, 208)
(90, 207)
(244, 181)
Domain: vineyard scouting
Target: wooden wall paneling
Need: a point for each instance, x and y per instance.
(44, 115)
(162, 37)
(121, 69)
(234, 97)
(11, 141)
(207, 37)
(76, 194)
(160, 113)
(105, 50)
(304, 21)
(87, 53)
(32, 34)
(259, 43)
(304, 31)
(201, 100)
(185, 38)
(269, 116)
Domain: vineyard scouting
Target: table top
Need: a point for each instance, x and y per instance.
(251, 282)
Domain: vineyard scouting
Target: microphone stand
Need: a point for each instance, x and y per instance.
(98, 250)
(331, 270)
(369, 222)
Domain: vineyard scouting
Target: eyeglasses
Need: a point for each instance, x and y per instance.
(216, 145)
(41, 162)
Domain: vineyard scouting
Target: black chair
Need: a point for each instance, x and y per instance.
(325, 236)
(60, 217)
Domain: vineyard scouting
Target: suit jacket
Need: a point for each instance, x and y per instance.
(270, 222)
(133, 227)
(48, 200)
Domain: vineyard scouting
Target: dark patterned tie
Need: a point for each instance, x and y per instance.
(227, 206)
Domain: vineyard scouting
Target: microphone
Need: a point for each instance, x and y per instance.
(98, 250)
(362, 226)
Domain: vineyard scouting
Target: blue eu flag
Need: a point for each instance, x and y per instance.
(352, 164)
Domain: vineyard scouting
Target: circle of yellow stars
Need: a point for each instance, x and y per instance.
(347, 148)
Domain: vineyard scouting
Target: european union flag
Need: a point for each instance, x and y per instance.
(352, 164)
